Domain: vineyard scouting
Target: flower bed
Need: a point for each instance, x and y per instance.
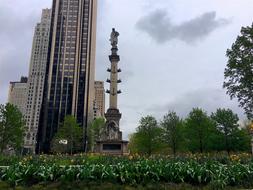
(130, 170)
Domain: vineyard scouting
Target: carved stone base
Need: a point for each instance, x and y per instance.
(112, 147)
(111, 142)
(113, 115)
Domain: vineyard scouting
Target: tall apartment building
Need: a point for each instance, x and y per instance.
(99, 105)
(37, 72)
(69, 87)
(17, 94)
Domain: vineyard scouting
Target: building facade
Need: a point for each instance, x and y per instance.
(36, 78)
(69, 87)
(99, 104)
(17, 94)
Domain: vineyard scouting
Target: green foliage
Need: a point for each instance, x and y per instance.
(147, 139)
(199, 171)
(227, 123)
(238, 73)
(198, 127)
(241, 141)
(172, 132)
(70, 131)
(11, 127)
(197, 133)
(94, 132)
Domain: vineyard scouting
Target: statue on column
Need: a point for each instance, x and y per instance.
(114, 38)
(111, 141)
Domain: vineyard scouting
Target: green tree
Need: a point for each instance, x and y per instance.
(198, 129)
(227, 123)
(147, 139)
(241, 141)
(172, 133)
(94, 132)
(12, 127)
(70, 132)
(239, 71)
(247, 125)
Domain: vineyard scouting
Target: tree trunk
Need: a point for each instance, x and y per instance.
(174, 148)
(174, 145)
(149, 149)
(201, 145)
(226, 143)
(2, 145)
(71, 145)
(71, 148)
(149, 144)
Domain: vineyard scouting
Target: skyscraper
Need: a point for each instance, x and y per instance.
(69, 87)
(17, 94)
(37, 72)
(99, 98)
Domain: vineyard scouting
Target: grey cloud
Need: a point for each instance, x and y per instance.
(16, 40)
(16, 26)
(126, 74)
(207, 99)
(160, 27)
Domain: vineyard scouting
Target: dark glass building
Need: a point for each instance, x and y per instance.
(69, 81)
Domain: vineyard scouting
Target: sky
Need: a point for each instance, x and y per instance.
(172, 51)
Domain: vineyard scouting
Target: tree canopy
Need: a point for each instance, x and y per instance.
(198, 127)
(68, 138)
(227, 123)
(198, 132)
(12, 127)
(147, 139)
(172, 133)
(239, 70)
(94, 132)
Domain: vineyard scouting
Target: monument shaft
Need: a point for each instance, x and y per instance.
(114, 85)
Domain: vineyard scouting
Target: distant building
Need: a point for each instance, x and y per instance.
(37, 72)
(97, 113)
(17, 94)
(69, 87)
(99, 104)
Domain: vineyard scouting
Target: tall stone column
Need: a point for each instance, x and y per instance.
(113, 114)
(114, 59)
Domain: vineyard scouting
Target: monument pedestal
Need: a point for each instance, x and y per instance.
(112, 147)
(111, 138)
